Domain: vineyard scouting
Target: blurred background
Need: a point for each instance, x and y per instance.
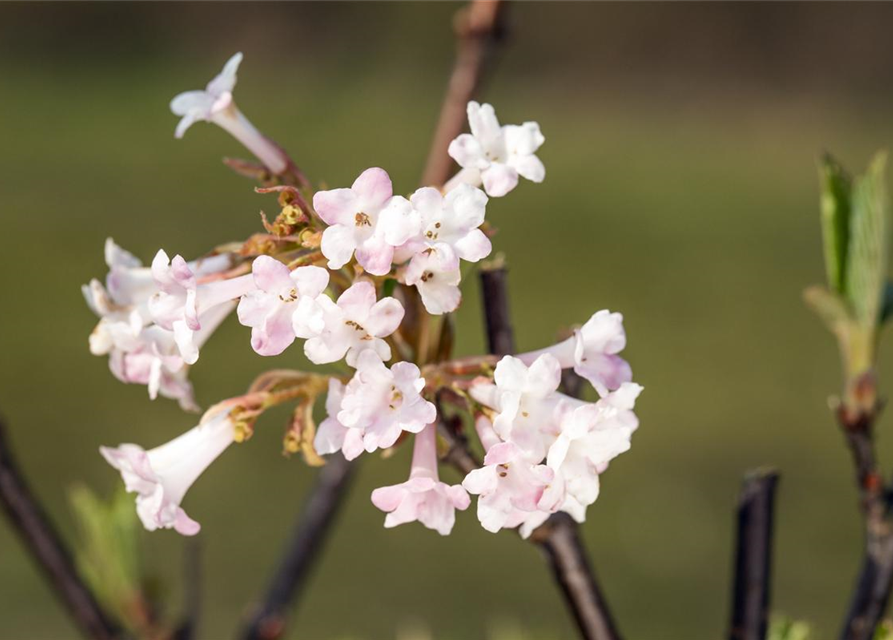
(681, 190)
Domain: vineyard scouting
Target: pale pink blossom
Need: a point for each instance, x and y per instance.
(527, 402)
(453, 220)
(495, 155)
(435, 273)
(353, 324)
(365, 219)
(180, 301)
(423, 497)
(510, 487)
(383, 403)
(161, 476)
(268, 310)
(215, 104)
(332, 436)
(592, 352)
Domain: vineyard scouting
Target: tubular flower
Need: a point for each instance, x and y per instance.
(268, 310)
(495, 155)
(435, 273)
(215, 104)
(383, 403)
(161, 476)
(363, 219)
(592, 352)
(333, 436)
(423, 497)
(354, 324)
(180, 301)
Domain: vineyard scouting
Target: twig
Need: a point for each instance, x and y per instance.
(558, 535)
(500, 336)
(478, 27)
(47, 549)
(753, 558)
(304, 546)
(872, 591)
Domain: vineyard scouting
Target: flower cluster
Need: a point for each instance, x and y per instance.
(355, 275)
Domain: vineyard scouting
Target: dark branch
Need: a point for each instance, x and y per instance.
(494, 290)
(45, 545)
(560, 541)
(478, 27)
(753, 557)
(304, 546)
(558, 536)
(872, 591)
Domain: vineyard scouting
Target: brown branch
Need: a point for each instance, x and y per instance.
(48, 550)
(304, 546)
(478, 27)
(753, 557)
(558, 536)
(873, 586)
(192, 590)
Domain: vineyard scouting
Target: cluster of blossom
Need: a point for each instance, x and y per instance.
(544, 450)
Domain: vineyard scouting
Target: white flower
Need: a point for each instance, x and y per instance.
(180, 301)
(435, 273)
(591, 436)
(161, 476)
(423, 497)
(592, 352)
(383, 403)
(354, 324)
(527, 403)
(452, 220)
(215, 104)
(496, 155)
(333, 436)
(365, 219)
(268, 310)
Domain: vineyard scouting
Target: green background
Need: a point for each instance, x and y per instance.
(681, 190)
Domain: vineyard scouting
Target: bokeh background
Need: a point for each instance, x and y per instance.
(681, 190)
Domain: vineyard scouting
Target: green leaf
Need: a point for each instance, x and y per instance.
(829, 306)
(108, 554)
(835, 199)
(866, 268)
(784, 628)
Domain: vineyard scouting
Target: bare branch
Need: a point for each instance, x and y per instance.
(48, 550)
(304, 546)
(478, 27)
(494, 290)
(192, 590)
(753, 559)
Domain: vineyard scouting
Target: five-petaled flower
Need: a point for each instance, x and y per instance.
(423, 497)
(367, 219)
(495, 155)
(269, 309)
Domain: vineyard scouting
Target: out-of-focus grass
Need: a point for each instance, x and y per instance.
(697, 218)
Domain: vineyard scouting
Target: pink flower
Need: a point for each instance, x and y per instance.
(333, 436)
(510, 487)
(496, 155)
(592, 352)
(383, 403)
(180, 300)
(160, 477)
(215, 104)
(527, 402)
(423, 497)
(268, 310)
(354, 324)
(435, 273)
(358, 222)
